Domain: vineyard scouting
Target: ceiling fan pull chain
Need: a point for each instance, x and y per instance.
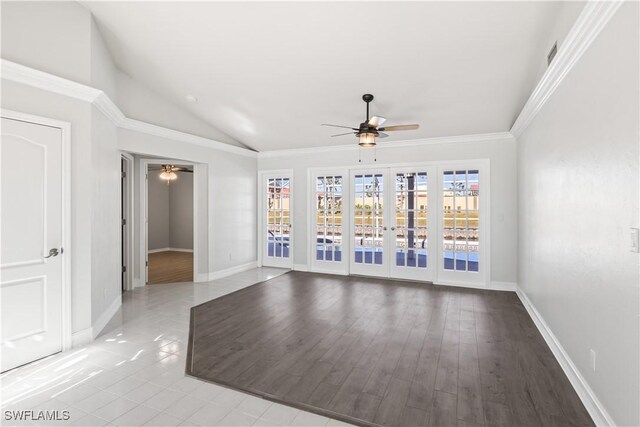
(359, 154)
(375, 153)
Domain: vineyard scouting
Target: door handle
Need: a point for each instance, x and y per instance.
(54, 252)
(393, 229)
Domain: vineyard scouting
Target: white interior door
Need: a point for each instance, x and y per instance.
(277, 232)
(31, 266)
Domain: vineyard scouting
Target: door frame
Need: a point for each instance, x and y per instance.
(129, 216)
(144, 213)
(262, 175)
(65, 128)
(435, 186)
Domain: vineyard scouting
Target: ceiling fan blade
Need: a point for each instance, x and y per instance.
(382, 135)
(342, 134)
(338, 126)
(399, 127)
(376, 121)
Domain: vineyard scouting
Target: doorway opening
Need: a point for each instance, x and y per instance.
(170, 235)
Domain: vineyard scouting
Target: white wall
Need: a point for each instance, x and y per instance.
(50, 36)
(158, 216)
(105, 217)
(170, 212)
(500, 152)
(578, 196)
(138, 102)
(226, 199)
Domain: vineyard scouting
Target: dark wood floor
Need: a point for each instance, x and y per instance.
(379, 352)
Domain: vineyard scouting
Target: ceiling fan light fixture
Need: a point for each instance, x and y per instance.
(367, 139)
(168, 176)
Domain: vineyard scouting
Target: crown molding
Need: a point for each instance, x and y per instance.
(590, 22)
(388, 144)
(41, 80)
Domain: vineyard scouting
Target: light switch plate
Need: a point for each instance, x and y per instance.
(635, 240)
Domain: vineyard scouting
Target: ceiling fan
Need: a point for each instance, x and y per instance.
(169, 172)
(371, 127)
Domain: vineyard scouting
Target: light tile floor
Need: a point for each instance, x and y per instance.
(133, 374)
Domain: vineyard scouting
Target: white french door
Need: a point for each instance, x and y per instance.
(329, 226)
(463, 224)
(390, 223)
(277, 236)
(412, 247)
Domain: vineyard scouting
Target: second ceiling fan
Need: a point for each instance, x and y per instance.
(371, 128)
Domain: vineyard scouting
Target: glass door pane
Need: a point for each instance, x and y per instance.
(329, 218)
(277, 250)
(410, 230)
(368, 254)
(461, 220)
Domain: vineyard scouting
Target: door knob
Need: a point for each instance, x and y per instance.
(393, 229)
(53, 253)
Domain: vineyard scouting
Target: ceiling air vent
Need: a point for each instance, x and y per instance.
(552, 53)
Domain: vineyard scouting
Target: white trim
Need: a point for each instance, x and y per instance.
(201, 277)
(592, 20)
(215, 275)
(41, 80)
(18, 73)
(154, 251)
(129, 216)
(387, 144)
(65, 128)
(106, 106)
(589, 399)
(106, 317)
(82, 337)
(300, 267)
(503, 286)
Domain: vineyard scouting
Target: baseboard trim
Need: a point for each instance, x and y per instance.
(503, 286)
(461, 284)
(80, 338)
(201, 277)
(106, 316)
(589, 399)
(155, 251)
(300, 267)
(215, 275)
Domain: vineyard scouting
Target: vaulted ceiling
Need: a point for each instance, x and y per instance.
(269, 73)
